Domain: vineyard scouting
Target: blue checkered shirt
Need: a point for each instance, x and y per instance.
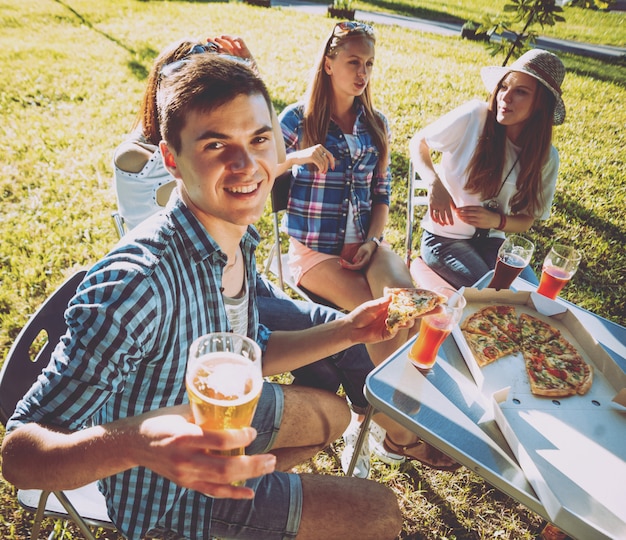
(317, 212)
(130, 326)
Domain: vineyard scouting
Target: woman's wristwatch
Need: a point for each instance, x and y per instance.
(376, 240)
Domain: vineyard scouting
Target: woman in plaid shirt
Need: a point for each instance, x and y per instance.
(338, 150)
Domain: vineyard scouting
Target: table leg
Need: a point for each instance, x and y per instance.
(363, 432)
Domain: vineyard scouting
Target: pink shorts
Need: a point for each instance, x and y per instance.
(302, 258)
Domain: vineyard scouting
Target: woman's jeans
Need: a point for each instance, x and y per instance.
(462, 262)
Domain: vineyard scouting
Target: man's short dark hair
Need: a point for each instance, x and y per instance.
(202, 83)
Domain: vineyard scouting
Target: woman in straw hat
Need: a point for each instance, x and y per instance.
(498, 167)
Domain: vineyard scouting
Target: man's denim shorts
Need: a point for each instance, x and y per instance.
(276, 509)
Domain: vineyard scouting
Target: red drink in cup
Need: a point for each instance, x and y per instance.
(508, 267)
(433, 332)
(513, 256)
(436, 328)
(552, 281)
(559, 266)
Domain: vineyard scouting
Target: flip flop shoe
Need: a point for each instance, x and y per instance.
(431, 457)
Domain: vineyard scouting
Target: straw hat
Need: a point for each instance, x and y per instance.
(544, 66)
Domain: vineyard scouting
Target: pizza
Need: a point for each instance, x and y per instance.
(553, 365)
(505, 319)
(478, 323)
(487, 342)
(408, 304)
(536, 330)
(488, 349)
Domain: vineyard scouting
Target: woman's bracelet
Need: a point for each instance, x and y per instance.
(376, 240)
(502, 222)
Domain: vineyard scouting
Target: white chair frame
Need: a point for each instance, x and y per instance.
(417, 196)
(85, 506)
(277, 261)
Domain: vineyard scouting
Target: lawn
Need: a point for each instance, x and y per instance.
(592, 26)
(73, 73)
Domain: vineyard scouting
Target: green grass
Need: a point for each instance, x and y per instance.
(73, 72)
(601, 27)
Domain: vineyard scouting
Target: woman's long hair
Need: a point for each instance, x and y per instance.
(318, 103)
(148, 117)
(485, 169)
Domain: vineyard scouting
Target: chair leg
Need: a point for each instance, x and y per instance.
(364, 432)
(76, 518)
(43, 499)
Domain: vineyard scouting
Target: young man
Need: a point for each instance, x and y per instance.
(111, 405)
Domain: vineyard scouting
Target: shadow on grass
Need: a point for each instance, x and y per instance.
(599, 69)
(420, 482)
(141, 57)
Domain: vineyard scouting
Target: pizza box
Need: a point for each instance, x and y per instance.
(572, 449)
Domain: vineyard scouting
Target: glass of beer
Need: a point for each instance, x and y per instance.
(559, 266)
(224, 382)
(435, 328)
(513, 256)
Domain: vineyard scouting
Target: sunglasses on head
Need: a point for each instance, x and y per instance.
(345, 28)
(172, 67)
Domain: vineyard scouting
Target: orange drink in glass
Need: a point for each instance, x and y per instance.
(436, 328)
(559, 266)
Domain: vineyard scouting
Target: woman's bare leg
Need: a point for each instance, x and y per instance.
(344, 288)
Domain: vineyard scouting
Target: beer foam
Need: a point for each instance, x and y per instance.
(226, 380)
(225, 377)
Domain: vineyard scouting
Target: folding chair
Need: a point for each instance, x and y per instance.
(418, 196)
(120, 225)
(84, 506)
(276, 262)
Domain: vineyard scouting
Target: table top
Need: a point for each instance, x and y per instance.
(446, 409)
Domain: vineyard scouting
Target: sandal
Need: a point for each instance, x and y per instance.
(433, 458)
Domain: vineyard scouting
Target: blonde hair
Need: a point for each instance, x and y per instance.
(318, 101)
(485, 169)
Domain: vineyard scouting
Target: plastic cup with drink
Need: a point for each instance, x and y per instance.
(224, 380)
(435, 328)
(559, 266)
(513, 256)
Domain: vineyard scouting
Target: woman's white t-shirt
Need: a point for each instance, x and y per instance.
(456, 135)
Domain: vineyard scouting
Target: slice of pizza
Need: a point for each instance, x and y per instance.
(478, 323)
(542, 380)
(489, 348)
(564, 362)
(408, 304)
(505, 318)
(534, 330)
